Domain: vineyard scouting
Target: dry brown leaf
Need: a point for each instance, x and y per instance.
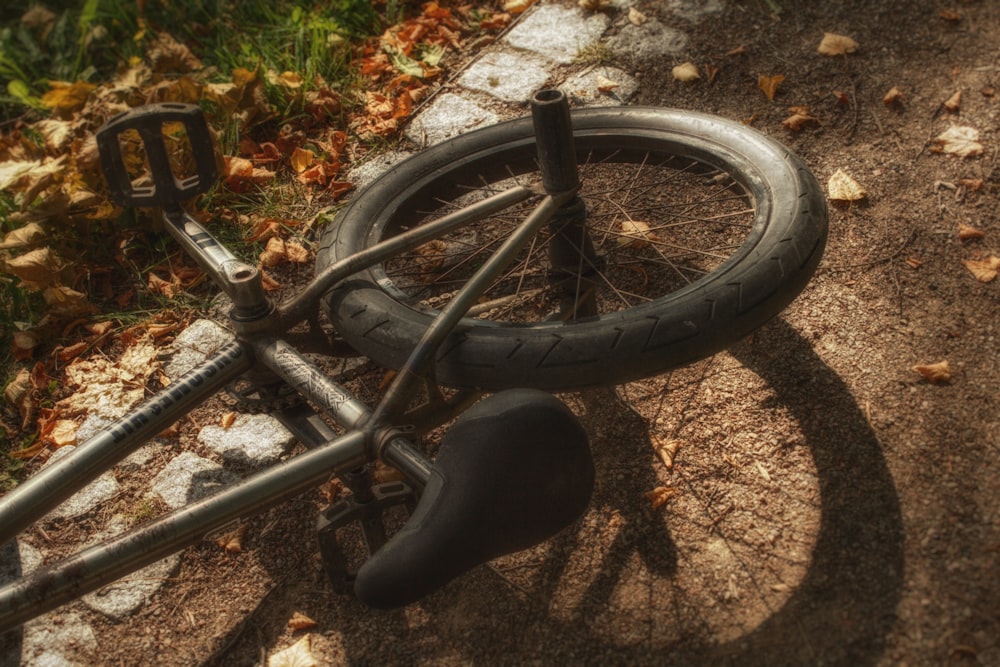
(61, 432)
(659, 496)
(833, 44)
(290, 80)
(950, 15)
(738, 51)
(167, 55)
(914, 263)
(298, 654)
(972, 184)
(22, 237)
(274, 253)
(954, 103)
(37, 268)
(893, 98)
(800, 118)
(711, 71)
(985, 270)
(635, 17)
(960, 141)
(606, 85)
(686, 72)
(666, 450)
(67, 303)
(938, 373)
(232, 542)
(228, 419)
(769, 84)
(968, 232)
(636, 234)
(300, 621)
(842, 187)
(296, 252)
(593, 5)
(302, 159)
(65, 97)
(517, 6)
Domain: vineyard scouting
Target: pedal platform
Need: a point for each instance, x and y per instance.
(367, 510)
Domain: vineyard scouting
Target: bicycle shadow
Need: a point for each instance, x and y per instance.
(840, 612)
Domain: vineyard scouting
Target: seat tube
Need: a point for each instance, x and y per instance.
(571, 250)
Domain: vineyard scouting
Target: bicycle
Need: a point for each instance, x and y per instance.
(550, 253)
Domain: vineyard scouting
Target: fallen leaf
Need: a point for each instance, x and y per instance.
(167, 55)
(960, 141)
(228, 419)
(298, 654)
(954, 103)
(61, 432)
(833, 44)
(517, 6)
(636, 234)
(296, 252)
(842, 187)
(274, 253)
(232, 542)
(769, 84)
(28, 235)
(938, 373)
(37, 268)
(290, 80)
(67, 97)
(967, 232)
(635, 17)
(738, 51)
(950, 15)
(300, 621)
(302, 159)
(666, 450)
(893, 98)
(659, 496)
(711, 71)
(914, 263)
(800, 118)
(972, 184)
(686, 72)
(606, 85)
(592, 5)
(985, 270)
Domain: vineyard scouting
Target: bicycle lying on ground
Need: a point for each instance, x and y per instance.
(551, 253)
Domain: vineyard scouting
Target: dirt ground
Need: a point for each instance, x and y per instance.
(831, 507)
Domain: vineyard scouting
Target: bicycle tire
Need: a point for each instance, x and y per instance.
(785, 236)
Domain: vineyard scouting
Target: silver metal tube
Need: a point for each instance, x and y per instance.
(298, 308)
(55, 585)
(50, 486)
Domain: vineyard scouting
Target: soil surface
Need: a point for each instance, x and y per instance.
(831, 505)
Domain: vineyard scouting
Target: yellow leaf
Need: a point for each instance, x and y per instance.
(67, 97)
(686, 72)
(985, 270)
(666, 450)
(290, 80)
(228, 419)
(938, 373)
(960, 141)
(232, 542)
(517, 6)
(769, 84)
(842, 187)
(836, 45)
(302, 159)
(300, 621)
(298, 654)
(62, 433)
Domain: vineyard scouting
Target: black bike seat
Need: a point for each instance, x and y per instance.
(512, 471)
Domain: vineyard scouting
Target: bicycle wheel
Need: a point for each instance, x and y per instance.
(703, 230)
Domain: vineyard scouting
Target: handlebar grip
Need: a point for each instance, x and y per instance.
(167, 189)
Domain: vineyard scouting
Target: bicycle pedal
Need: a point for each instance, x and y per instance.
(167, 189)
(368, 515)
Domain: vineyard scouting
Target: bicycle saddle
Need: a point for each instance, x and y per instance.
(512, 471)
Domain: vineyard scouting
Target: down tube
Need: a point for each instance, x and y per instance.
(54, 585)
(50, 486)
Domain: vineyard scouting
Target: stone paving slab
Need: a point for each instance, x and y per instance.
(253, 440)
(509, 76)
(557, 33)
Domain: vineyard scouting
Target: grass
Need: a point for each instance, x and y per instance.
(92, 41)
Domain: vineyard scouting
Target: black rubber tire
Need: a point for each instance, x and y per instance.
(766, 272)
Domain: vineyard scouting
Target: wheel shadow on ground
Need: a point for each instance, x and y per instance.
(840, 612)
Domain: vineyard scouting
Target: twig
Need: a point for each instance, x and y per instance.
(874, 262)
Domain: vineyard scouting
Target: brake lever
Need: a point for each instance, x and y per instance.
(167, 190)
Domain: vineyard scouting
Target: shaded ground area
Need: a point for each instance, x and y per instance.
(831, 506)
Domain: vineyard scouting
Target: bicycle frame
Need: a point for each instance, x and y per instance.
(261, 349)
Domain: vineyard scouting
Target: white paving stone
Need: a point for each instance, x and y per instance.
(369, 170)
(193, 345)
(585, 88)
(190, 477)
(448, 116)
(558, 33)
(49, 638)
(509, 76)
(127, 595)
(649, 42)
(254, 440)
(86, 499)
(695, 10)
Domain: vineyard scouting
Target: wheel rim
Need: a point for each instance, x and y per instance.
(662, 217)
